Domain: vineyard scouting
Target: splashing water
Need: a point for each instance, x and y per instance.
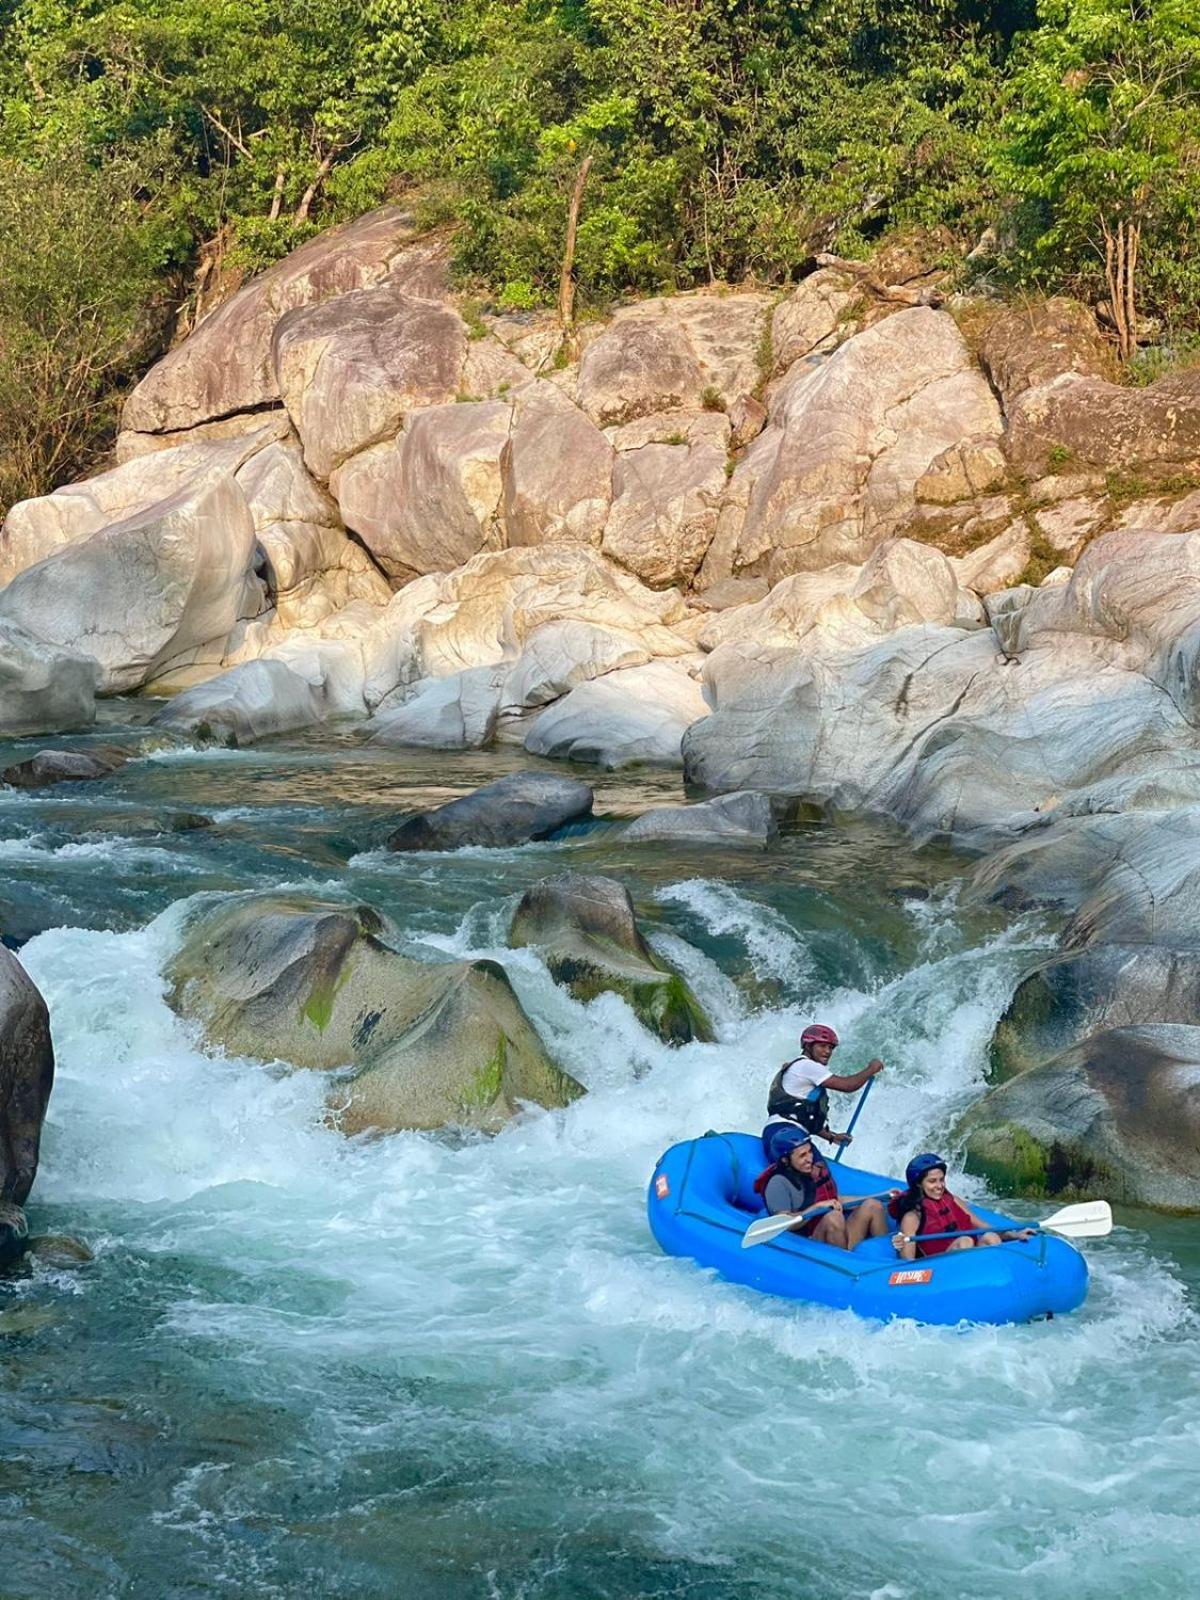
(305, 1365)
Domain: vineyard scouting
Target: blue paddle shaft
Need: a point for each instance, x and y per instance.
(862, 1100)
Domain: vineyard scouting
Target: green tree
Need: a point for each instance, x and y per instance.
(1103, 152)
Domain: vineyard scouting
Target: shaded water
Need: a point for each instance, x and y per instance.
(301, 1365)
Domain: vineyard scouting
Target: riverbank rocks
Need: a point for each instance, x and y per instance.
(1028, 345)
(243, 705)
(455, 713)
(64, 766)
(26, 1078)
(584, 928)
(634, 717)
(44, 688)
(160, 590)
(514, 810)
(1096, 423)
(422, 1045)
(1117, 1114)
(745, 819)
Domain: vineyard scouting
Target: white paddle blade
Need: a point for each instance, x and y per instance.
(1091, 1219)
(768, 1228)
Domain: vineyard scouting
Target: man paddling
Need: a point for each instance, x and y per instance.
(799, 1093)
(799, 1181)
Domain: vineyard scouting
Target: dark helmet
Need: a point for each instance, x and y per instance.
(818, 1033)
(919, 1166)
(788, 1139)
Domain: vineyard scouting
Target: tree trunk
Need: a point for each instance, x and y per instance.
(277, 197)
(307, 198)
(566, 278)
(1121, 241)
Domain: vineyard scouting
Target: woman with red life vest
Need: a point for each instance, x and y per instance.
(929, 1207)
(799, 1094)
(798, 1180)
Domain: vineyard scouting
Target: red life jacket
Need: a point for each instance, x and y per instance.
(946, 1215)
(820, 1180)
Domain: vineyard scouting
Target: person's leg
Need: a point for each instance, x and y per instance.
(866, 1221)
(963, 1244)
(831, 1229)
(990, 1238)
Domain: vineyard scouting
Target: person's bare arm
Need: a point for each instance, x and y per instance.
(854, 1080)
(905, 1242)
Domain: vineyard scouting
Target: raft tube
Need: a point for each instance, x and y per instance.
(702, 1200)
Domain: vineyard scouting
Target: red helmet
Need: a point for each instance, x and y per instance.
(818, 1033)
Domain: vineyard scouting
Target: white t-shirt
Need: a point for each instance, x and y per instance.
(800, 1079)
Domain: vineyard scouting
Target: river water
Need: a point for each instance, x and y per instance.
(428, 1368)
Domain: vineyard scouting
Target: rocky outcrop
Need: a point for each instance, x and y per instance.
(633, 717)
(557, 470)
(1027, 345)
(835, 471)
(1117, 1114)
(1094, 422)
(661, 355)
(225, 365)
(585, 929)
(559, 655)
(513, 810)
(814, 318)
(742, 820)
(664, 511)
(317, 985)
(26, 1078)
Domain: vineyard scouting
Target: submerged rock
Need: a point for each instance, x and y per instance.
(316, 985)
(1116, 1115)
(514, 810)
(585, 929)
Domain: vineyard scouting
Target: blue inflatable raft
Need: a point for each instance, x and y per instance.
(702, 1200)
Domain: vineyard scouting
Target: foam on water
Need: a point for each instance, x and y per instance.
(468, 1361)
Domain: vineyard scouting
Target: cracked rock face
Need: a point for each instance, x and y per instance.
(835, 471)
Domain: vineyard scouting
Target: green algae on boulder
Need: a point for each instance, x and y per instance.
(585, 928)
(315, 984)
(1116, 1115)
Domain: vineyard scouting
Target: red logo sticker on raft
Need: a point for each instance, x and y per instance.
(914, 1275)
(661, 1187)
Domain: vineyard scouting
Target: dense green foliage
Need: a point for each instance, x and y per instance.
(728, 138)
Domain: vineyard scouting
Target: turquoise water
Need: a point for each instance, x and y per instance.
(301, 1365)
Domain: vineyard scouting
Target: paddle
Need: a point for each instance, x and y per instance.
(862, 1100)
(1090, 1219)
(770, 1227)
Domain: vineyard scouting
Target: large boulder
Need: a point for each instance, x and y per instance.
(585, 929)
(309, 565)
(514, 810)
(557, 471)
(26, 1078)
(43, 687)
(225, 365)
(317, 985)
(664, 511)
(681, 352)
(454, 713)
(163, 588)
(836, 470)
(1117, 1114)
(244, 704)
(1032, 342)
(743, 820)
(352, 369)
(429, 500)
(64, 766)
(1094, 422)
(634, 717)
(559, 655)
(814, 316)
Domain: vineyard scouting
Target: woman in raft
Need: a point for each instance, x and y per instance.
(798, 1180)
(928, 1207)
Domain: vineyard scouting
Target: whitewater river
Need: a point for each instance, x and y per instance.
(432, 1369)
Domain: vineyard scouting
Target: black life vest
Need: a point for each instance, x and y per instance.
(811, 1112)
